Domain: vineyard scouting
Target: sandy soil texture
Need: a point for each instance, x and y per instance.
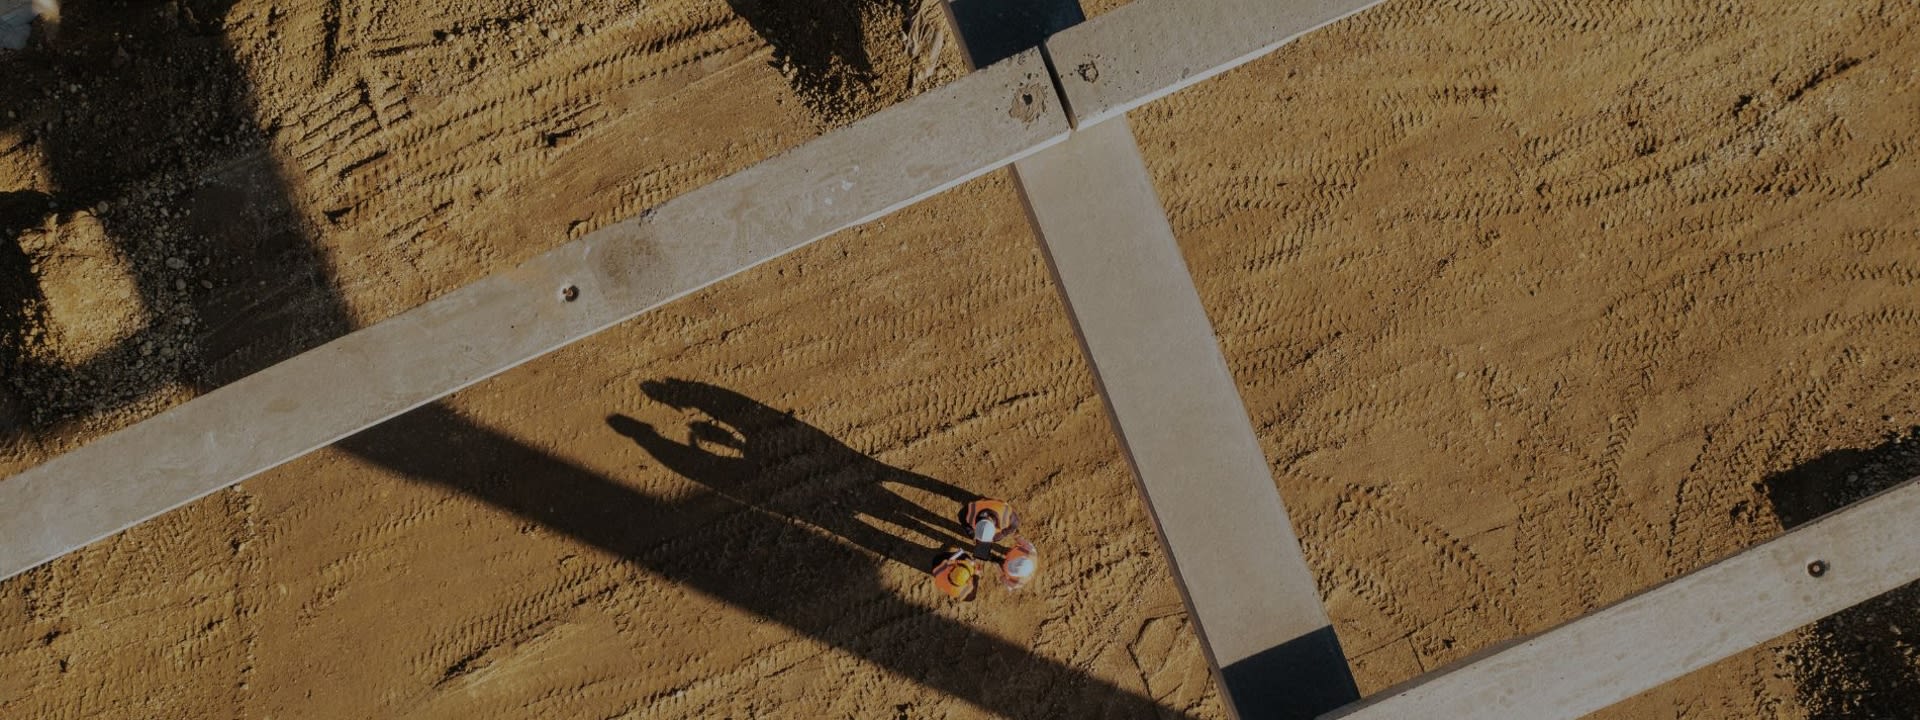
(1533, 305)
(1537, 306)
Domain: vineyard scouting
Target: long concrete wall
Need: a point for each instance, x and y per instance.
(1766, 591)
(861, 172)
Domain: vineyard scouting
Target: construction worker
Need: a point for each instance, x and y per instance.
(987, 519)
(1019, 565)
(956, 575)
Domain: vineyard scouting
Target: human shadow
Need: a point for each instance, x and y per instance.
(1854, 664)
(145, 122)
(754, 546)
(761, 457)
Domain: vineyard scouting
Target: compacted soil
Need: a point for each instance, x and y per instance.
(1533, 305)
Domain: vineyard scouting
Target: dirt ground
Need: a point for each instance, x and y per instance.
(1533, 305)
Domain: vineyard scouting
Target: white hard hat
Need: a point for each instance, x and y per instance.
(985, 530)
(1020, 567)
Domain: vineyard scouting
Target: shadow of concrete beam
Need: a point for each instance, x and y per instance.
(1854, 664)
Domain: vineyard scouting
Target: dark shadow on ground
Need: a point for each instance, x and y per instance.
(146, 122)
(19, 299)
(820, 45)
(756, 557)
(1856, 664)
(19, 291)
(994, 30)
(1300, 679)
(758, 456)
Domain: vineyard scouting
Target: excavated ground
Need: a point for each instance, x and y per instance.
(1533, 305)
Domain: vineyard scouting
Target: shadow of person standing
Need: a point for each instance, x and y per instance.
(759, 542)
(759, 456)
(144, 121)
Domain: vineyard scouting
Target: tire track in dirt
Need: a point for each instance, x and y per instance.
(1528, 269)
(1523, 297)
(1008, 323)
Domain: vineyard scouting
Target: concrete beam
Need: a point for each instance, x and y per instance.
(1172, 401)
(1177, 411)
(864, 171)
(1863, 550)
(1148, 49)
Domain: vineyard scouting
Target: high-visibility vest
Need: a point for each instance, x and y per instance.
(943, 577)
(1020, 549)
(1002, 514)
